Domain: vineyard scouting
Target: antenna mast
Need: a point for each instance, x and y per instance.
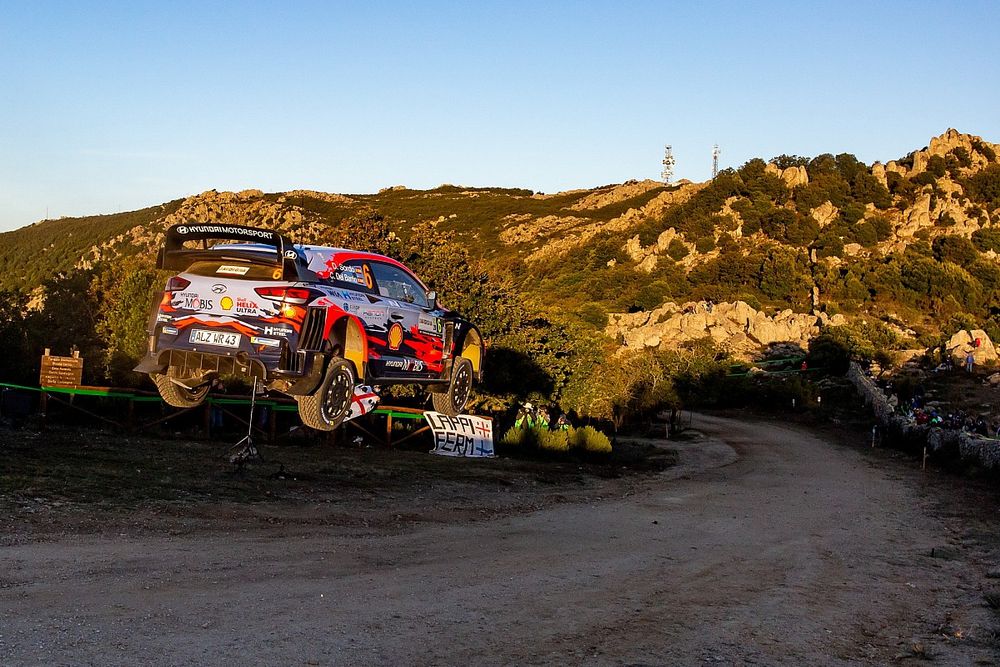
(715, 160)
(668, 164)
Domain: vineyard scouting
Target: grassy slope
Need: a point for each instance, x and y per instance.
(31, 254)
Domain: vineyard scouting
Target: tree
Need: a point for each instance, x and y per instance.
(124, 291)
(17, 361)
(957, 249)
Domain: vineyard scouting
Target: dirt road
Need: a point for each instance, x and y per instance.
(765, 545)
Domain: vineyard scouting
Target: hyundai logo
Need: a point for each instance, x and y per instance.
(182, 230)
(218, 288)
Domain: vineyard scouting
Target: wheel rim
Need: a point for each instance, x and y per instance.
(461, 386)
(337, 397)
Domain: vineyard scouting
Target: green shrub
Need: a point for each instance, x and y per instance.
(589, 439)
(987, 239)
(677, 250)
(514, 437)
(553, 441)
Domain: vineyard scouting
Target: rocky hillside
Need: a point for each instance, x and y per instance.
(911, 243)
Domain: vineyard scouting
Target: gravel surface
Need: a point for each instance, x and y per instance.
(765, 545)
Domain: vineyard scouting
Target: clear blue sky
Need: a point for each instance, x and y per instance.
(111, 106)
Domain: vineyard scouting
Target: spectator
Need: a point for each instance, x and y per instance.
(970, 361)
(525, 416)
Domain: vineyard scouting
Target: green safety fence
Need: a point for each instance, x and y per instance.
(211, 400)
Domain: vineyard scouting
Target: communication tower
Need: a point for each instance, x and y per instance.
(668, 164)
(715, 160)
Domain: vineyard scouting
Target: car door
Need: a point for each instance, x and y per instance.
(413, 332)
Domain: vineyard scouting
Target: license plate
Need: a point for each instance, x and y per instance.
(221, 338)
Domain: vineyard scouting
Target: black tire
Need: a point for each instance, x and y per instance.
(177, 396)
(453, 401)
(327, 407)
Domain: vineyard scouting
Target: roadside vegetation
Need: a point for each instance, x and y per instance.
(745, 235)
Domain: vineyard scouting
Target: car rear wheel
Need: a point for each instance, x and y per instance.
(453, 401)
(176, 395)
(327, 407)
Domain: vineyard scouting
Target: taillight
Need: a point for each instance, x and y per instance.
(176, 284)
(286, 294)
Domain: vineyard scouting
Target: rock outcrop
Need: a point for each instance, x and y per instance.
(736, 326)
(963, 342)
(619, 193)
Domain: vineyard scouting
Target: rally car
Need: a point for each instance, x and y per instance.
(310, 321)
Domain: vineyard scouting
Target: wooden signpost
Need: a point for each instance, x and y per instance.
(61, 371)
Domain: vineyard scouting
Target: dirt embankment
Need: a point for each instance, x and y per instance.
(765, 544)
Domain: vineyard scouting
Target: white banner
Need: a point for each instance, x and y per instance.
(463, 435)
(364, 401)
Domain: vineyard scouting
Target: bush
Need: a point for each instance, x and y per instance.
(589, 439)
(986, 239)
(586, 438)
(553, 441)
(677, 250)
(515, 437)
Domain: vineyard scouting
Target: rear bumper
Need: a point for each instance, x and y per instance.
(294, 373)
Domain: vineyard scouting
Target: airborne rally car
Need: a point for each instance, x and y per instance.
(309, 321)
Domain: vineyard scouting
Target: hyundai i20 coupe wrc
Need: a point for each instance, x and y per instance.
(309, 321)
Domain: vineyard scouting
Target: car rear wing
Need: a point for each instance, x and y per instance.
(175, 257)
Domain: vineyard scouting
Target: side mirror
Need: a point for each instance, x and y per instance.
(432, 300)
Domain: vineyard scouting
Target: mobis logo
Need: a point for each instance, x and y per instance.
(195, 302)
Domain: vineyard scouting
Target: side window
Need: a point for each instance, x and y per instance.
(395, 283)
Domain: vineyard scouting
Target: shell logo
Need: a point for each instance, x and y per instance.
(226, 303)
(395, 336)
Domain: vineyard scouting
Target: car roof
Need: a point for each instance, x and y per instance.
(343, 254)
(338, 255)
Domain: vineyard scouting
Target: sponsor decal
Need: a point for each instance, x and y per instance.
(218, 288)
(351, 296)
(225, 229)
(195, 302)
(395, 336)
(245, 306)
(233, 270)
(369, 314)
(160, 317)
(226, 303)
(284, 332)
(268, 342)
(429, 325)
(414, 365)
(169, 330)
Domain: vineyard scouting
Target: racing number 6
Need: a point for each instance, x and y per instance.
(369, 283)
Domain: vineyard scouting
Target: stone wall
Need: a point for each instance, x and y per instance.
(966, 445)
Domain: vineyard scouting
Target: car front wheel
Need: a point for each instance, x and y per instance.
(453, 401)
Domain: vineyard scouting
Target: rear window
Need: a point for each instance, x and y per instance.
(235, 270)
